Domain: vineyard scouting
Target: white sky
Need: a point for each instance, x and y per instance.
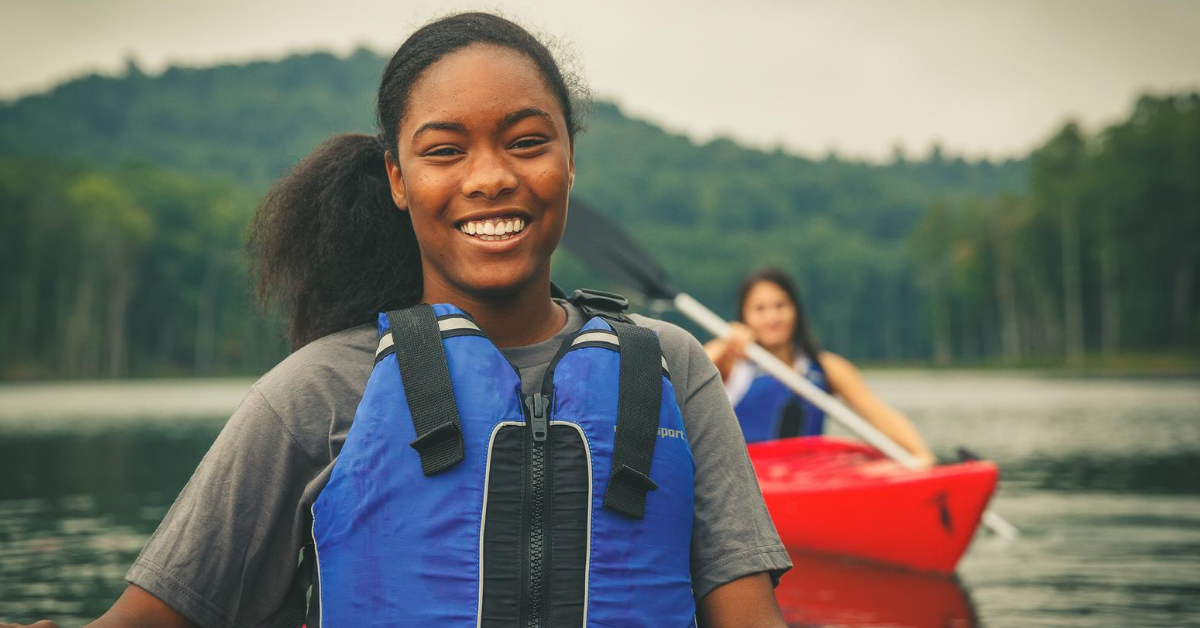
(981, 77)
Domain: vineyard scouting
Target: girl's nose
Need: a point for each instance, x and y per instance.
(489, 175)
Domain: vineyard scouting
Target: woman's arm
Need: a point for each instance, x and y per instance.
(725, 352)
(747, 602)
(845, 380)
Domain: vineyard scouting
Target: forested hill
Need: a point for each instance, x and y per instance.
(253, 121)
(866, 241)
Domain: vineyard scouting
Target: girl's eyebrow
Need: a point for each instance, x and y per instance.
(439, 126)
(521, 114)
(509, 120)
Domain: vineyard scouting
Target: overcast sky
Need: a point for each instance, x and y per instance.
(982, 78)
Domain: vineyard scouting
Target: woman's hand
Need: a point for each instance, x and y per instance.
(740, 336)
(727, 351)
(926, 460)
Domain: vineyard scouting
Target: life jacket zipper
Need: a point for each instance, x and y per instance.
(538, 407)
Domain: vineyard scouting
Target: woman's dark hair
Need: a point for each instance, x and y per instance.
(802, 336)
(327, 246)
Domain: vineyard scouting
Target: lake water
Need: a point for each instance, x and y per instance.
(1101, 475)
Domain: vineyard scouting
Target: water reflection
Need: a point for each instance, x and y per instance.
(1169, 472)
(828, 591)
(106, 465)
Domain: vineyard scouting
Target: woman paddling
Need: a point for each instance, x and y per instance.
(431, 483)
(770, 313)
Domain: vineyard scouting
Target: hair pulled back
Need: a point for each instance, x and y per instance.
(802, 336)
(327, 246)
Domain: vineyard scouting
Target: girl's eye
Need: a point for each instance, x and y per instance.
(444, 151)
(528, 142)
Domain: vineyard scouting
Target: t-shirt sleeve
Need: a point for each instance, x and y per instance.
(227, 550)
(732, 535)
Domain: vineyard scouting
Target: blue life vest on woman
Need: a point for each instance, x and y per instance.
(457, 502)
(767, 409)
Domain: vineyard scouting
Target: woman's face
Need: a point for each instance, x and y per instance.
(484, 167)
(770, 314)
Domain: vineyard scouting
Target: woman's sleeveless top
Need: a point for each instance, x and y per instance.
(767, 409)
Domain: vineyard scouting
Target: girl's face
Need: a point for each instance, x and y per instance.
(484, 168)
(770, 314)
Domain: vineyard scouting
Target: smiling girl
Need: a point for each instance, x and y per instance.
(770, 313)
(448, 444)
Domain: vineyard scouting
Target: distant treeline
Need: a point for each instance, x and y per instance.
(1099, 256)
(110, 266)
(124, 270)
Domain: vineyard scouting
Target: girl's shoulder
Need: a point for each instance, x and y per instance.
(347, 354)
(686, 360)
(316, 390)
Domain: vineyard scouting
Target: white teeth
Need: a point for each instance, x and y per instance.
(493, 229)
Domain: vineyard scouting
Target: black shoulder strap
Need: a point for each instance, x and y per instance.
(426, 379)
(609, 305)
(637, 420)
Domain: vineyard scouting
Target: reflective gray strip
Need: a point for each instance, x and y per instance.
(453, 323)
(596, 336)
(384, 344)
(608, 338)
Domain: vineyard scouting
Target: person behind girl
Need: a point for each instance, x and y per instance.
(769, 312)
(459, 201)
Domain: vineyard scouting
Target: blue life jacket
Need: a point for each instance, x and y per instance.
(457, 502)
(768, 409)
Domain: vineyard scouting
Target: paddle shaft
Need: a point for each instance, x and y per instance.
(785, 373)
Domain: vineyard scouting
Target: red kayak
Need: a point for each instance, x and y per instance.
(841, 497)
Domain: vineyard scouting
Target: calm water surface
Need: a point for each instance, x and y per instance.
(1102, 475)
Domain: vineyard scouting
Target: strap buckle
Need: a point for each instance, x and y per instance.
(440, 448)
(600, 303)
(626, 492)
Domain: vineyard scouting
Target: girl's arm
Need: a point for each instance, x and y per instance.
(747, 602)
(134, 609)
(846, 381)
(725, 352)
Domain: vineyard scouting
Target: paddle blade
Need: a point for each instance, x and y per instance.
(610, 251)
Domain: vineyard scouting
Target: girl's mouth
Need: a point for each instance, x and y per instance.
(493, 229)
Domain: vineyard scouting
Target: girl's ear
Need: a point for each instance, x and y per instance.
(396, 181)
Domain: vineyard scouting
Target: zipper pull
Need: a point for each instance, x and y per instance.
(539, 410)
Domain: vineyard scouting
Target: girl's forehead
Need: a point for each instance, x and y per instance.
(765, 290)
(478, 82)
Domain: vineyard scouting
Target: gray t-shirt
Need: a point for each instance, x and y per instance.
(226, 553)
